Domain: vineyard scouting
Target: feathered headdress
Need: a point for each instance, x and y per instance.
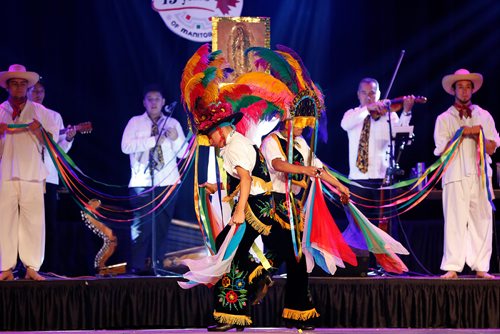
(210, 102)
(303, 108)
(200, 81)
(286, 65)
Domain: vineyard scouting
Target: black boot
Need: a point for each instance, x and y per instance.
(225, 328)
(302, 325)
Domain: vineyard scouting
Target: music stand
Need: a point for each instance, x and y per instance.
(402, 137)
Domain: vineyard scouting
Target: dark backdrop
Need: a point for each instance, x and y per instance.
(96, 56)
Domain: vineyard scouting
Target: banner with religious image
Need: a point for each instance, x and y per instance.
(233, 35)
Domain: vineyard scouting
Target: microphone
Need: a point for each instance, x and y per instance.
(169, 109)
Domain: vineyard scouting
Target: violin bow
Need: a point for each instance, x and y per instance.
(389, 176)
(394, 74)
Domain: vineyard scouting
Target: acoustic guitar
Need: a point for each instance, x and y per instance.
(83, 128)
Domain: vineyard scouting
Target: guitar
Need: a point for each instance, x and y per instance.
(83, 128)
(109, 245)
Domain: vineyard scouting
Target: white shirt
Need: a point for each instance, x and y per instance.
(21, 152)
(240, 152)
(464, 163)
(378, 143)
(271, 149)
(53, 176)
(137, 141)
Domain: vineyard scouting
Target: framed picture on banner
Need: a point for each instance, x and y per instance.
(233, 35)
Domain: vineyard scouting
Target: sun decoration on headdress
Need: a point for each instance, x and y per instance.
(306, 109)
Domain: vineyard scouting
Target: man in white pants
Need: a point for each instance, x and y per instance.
(22, 175)
(467, 211)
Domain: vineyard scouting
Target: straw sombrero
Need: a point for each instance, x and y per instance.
(17, 71)
(462, 74)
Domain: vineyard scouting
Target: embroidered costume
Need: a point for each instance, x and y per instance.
(213, 110)
(298, 301)
(233, 292)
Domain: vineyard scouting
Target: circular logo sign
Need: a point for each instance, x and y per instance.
(191, 19)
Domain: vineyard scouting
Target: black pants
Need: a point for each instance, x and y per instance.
(234, 291)
(279, 249)
(142, 228)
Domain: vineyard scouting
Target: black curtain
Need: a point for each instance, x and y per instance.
(143, 303)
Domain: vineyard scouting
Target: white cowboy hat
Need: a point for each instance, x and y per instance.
(17, 71)
(462, 74)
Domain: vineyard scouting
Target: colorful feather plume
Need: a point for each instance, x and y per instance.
(196, 64)
(279, 67)
(254, 113)
(233, 92)
(193, 90)
(304, 73)
(210, 74)
(270, 89)
(301, 83)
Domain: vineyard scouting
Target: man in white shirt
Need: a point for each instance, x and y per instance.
(22, 174)
(52, 259)
(378, 141)
(367, 128)
(467, 211)
(152, 166)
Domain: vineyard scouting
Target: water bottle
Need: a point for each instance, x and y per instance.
(420, 171)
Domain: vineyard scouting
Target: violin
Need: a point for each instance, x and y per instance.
(397, 103)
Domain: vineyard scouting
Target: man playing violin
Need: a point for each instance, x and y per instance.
(367, 129)
(467, 211)
(368, 132)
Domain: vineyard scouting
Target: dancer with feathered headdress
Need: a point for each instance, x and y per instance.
(305, 233)
(214, 112)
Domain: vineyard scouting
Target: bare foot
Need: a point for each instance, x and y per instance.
(484, 274)
(450, 275)
(33, 275)
(6, 275)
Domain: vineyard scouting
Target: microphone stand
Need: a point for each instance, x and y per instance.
(151, 166)
(392, 169)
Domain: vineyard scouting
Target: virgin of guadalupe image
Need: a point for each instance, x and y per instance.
(240, 38)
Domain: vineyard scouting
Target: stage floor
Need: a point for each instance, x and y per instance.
(286, 330)
(147, 304)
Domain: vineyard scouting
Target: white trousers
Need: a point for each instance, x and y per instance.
(468, 224)
(22, 224)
